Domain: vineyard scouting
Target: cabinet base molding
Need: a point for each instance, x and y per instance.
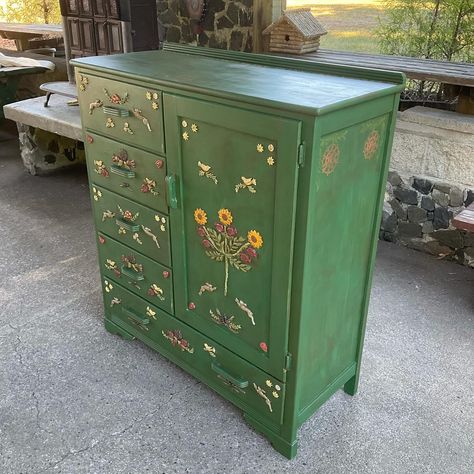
(117, 330)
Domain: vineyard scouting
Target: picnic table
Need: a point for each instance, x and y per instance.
(455, 73)
(23, 32)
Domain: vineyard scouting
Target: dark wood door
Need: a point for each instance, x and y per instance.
(101, 36)
(113, 8)
(86, 30)
(100, 8)
(69, 7)
(114, 29)
(74, 35)
(144, 25)
(86, 8)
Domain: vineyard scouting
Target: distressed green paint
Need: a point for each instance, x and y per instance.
(296, 152)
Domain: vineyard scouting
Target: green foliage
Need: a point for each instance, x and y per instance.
(437, 29)
(31, 11)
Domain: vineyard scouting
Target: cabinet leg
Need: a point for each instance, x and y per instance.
(287, 448)
(351, 386)
(114, 329)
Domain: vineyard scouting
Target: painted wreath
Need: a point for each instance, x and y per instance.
(222, 242)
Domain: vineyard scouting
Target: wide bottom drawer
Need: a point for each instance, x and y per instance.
(243, 384)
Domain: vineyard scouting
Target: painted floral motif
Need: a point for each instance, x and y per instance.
(150, 234)
(155, 105)
(111, 265)
(210, 349)
(184, 123)
(121, 160)
(136, 237)
(109, 123)
(194, 128)
(97, 194)
(260, 148)
(97, 104)
(263, 395)
(159, 164)
(108, 286)
(330, 151)
(153, 97)
(177, 340)
(247, 183)
(128, 215)
(148, 186)
(150, 313)
(371, 145)
(222, 243)
(115, 301)
(115, 98)
(206, 287)
(100, 168)
(155, 290)
(127, 129)
(263, 346)
(131, 262)
(83, 82)
(243, 306)
(101, 240)
(271, 148)
(185, 136)
(205, 170)
(137, 113)
(107, 214)
(224, 320)
(270, 161)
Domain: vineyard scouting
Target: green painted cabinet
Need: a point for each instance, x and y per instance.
(237, 224)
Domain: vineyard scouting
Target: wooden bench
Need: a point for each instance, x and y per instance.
(465, 219)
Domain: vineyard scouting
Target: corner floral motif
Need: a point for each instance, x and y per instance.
(206, 287)
(115, 98)
(108, 287)
(222, 243)
(247, 183)
(373, 129)
(96, 193)
(149, 186)
(111, 265)
(330, 151)
(224, 320)
(83, 82)
(185, 136)
(371, 145)
(260, 148)
(176, 338)
(210, 349)
(205, 170)
(100, 168)
(243, 306)
(270, 161)
(155, 290)
(194, 128)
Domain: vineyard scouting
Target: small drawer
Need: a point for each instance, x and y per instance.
(139, 227)
(136, 272)
(126, 170)
(248, 387)
(125, 112)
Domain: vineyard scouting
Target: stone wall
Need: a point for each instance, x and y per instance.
(228, 24)
(431, 180)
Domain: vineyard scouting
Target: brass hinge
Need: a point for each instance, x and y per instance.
(287, 361)
(301, 153)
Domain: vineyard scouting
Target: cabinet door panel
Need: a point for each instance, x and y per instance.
(115, 37)
(232, 232)
(86, 28)
(101, 36)
(74, 35)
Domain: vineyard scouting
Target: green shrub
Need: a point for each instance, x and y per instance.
(31, 11)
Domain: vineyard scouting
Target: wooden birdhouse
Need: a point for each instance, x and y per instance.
(296, 32)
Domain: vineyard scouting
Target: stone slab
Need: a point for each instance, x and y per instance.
(58, 117)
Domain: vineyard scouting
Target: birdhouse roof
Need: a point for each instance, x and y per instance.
(302, 20)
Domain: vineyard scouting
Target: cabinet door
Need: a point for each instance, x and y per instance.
(86, 28)
(114, 29)
(233, 173)
(101, 36)
(86, 7)
(70, 7)
(100, 8)
(113, 9)
(74, 35)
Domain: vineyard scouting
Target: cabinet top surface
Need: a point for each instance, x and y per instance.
(275, 82)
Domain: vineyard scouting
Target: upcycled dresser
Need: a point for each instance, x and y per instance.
(237, 202)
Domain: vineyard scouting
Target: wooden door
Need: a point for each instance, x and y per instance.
(113, 9)
(87, 37)
(101, 36)
(85, 8)
(114, 31)
(70, 7)
(74, 35)
(234, 173)
(100, 8)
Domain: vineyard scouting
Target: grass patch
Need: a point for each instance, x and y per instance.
(350, 25)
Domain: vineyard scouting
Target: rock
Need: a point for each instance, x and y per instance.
(443, 187)
(224, 22)
(203, 39)
(468, 238)
(173, 34)
(246, 18)
(394, 178)
(440, 197)
(406, 195)
(214, 42)
(233, 13)
(427, 227)
(469, 197)
(409, 229)
(416, 214)
(427, 203)
(469, 256)
(389, 218)
(456, 196)
(388, 236)
(435, 248)
(441, 218)
(236, 40)
(430, 215)
(169, 17)
(399, 209)
(422, 185)
(451, 238)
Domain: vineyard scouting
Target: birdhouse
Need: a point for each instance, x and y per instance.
(296, 32)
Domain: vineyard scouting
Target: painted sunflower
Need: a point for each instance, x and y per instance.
(255, 239)
(225, 216)
(200, 216)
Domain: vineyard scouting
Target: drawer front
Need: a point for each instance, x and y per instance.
(137, 226)
(125, 112)
(248, 387)
(128, 171)
(136, 272)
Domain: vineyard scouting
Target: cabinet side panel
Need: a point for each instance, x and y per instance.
(349, 166)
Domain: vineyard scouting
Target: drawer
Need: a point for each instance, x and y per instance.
(139, 227)
(136, 272)
(125, 112)
(128, 171)
(248, 387)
